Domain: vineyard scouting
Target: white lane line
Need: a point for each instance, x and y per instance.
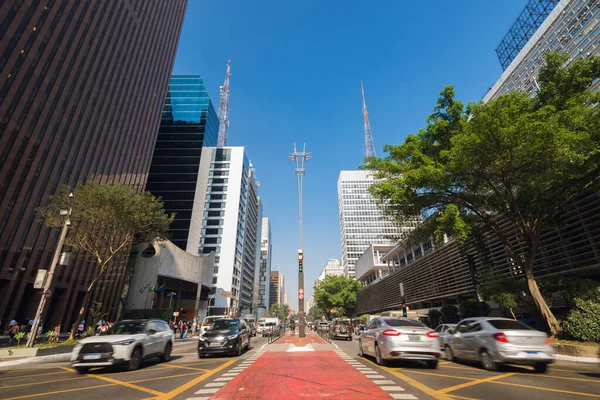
(207, 391)
(230, 374)
(366, 370)
(384, 382)
(375, 377)
(215, 384)
(224, 379)
(392, 388)
(402, 396)
(264, 345)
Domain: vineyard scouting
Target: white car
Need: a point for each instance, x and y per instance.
(126, 343)
(208, 321)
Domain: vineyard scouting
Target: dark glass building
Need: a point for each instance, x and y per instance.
(189, 122)
(82, 87)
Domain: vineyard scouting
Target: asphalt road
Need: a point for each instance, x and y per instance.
(564, 380)
(153, 380)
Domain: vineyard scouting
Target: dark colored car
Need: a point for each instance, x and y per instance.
(225, 336)
(342, 329)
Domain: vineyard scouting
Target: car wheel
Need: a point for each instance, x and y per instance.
(360, 349)
(248, 345)
(135, 360)
(541, 368)
(82, 370)
(449, 354)
(240, 348)
(166, 355)
(378, 357)
(486, 361)
(431, 364)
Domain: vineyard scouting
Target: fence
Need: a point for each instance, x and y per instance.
(274, 332)
(324, 332)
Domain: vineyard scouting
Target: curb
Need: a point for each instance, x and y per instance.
(562, 357)
(30, 360)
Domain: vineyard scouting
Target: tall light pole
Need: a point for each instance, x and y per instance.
(46, 292)
(300, 158)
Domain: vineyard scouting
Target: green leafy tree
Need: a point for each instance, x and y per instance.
(450, 313)
(105, 221)
(434, 317)
(315, 313)
(364, 319)
(516, 158)
(280, 311)
(336, 292)
(506, 301)
(473, 308)
(583, 323)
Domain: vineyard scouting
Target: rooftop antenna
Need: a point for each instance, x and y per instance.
(224, 109)
(369, 147)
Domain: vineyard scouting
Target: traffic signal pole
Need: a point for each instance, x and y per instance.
(301, 316)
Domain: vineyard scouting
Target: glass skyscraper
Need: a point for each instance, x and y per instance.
(189, 123)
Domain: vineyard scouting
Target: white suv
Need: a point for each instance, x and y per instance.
(127, 342)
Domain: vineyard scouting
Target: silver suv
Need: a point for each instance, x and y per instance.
(497, 341)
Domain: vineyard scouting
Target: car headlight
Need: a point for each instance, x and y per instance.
(232, 337)
(125, 342)
(202, 338)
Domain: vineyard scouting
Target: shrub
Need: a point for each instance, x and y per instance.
(450, 313)
(583, 323)
(52, 336)
(434, 317)
(473, 308)
(19, 336)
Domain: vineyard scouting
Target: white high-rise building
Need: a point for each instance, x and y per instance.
(361, 221)
(256, 282)
(333, 268)
(225, 220)
(266, 252)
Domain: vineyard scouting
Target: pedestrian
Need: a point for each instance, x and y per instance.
(14, 329)
(81, 328)
(186, 327)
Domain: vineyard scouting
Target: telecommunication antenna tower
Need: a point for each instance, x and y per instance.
(224, 109)
(300, 157)
(369, 146)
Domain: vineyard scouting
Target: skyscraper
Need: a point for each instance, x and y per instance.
(83, 85)
(266, 252)
(189, 123)
(361, 220)
(277, 288)
(225, 220)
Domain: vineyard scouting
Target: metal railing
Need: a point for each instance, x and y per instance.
(274, 332)
(324, 332)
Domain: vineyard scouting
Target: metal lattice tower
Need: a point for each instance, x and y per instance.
(224, 109)
(300, 157)
(369, 146)
(523, 28)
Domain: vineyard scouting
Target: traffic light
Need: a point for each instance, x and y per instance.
(404, 309)
(300, 265)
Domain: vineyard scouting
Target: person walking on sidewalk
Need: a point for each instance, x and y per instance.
(14, 329)
(293, 326)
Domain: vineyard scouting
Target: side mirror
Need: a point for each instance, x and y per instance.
(451, 331)
(151, 332)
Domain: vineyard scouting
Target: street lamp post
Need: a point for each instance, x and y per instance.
(46, 293)
(171, 299)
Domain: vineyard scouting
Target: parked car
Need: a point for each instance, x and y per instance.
(260, 328)
(341, 328)
(441, 330)
(226, 335)
(126, 343)
(208, 321)
(359, 329)
(270, 328)
(388, 338)
(498, 341)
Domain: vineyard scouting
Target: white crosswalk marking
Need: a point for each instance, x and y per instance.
(402, 396)
(392, 388)
(207, 391)
(215, 384)
(226, 378)
(384, 382)
(377, 376)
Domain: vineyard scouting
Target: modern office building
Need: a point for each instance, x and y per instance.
(277, 288)
(571, 28)
(370, 267)
(189, 123)
(224, 219)
(362, 222)
(266, 253)
(441, 275)
(333, 268)
(83, 87)
(256, 280)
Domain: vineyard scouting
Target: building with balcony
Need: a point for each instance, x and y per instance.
(370, 267)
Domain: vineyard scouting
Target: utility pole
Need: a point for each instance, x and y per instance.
(300, 158)
(46, 292)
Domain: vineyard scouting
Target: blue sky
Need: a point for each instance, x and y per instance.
(296, 69)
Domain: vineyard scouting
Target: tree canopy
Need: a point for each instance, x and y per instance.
(336, 292)
(105, 220)
(519, 157)
(280, 311)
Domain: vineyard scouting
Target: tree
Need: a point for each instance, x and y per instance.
(336, 292)
(280, 311)
(583, 323)
(315, 313)
(434, 316)
(473, 308)
(105, 221)
(450, 313)
(517, 158)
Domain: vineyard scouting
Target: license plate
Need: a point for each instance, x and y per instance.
(532, 352)
(414, 338)
(91, 356)
(215, 344)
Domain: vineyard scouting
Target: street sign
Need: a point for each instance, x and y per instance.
(300, 296)
(176, 314)
(48, 293)
(40, 278)
(300, 291)
(225, 294)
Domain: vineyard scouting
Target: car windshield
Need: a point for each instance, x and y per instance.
(509, 325)
(126, 328)
(224, 324)
(270, 324)
(403, 322)
(208, 322)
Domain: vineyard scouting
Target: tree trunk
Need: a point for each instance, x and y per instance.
(541, 304)
(512, 313)
(85, 303)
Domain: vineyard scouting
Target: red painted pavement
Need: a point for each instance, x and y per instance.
(311, 338)
(300, 375)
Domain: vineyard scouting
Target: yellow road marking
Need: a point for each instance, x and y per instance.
(413, 383)
(410, 371)
(475, 382)
(33, 375)
(164, 377)
(444, 362)
(549, 390)
(193, 382)
(42, 382)
(467, 368)
(59, 392)
(182, 367)
(126, 384)
(461, 397)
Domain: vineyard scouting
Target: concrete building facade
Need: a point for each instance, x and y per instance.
(333, 268)
(371, 267)
(266, 253)
(277, 288)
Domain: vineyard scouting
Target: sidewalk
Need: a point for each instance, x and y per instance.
(293, 368)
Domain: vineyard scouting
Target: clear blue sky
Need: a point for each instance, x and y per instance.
(296, 71)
